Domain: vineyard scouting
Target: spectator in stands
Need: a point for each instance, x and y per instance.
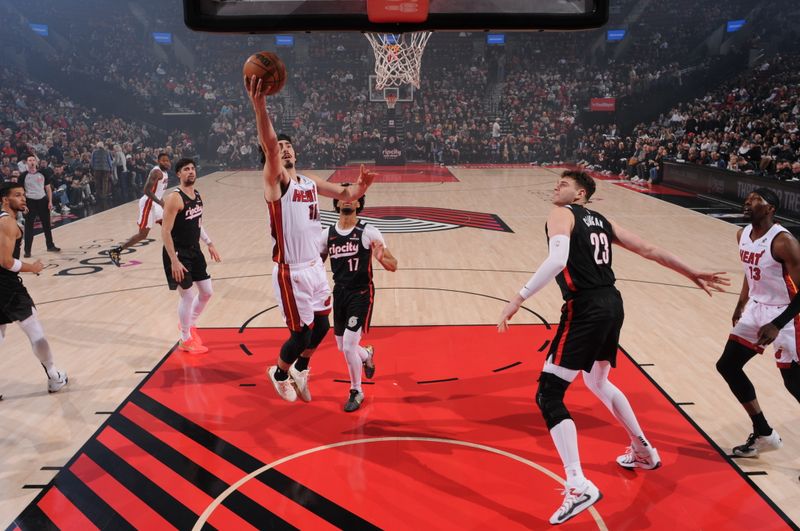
(716, 161)
(60, 186)
(101, 170)
(120, 165)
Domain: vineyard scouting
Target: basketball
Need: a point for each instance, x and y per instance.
(269, 68)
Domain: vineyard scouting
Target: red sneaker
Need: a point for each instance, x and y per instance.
(192, 346)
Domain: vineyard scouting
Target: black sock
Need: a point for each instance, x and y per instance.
(760, 425)
(301, 364)
(280, 374)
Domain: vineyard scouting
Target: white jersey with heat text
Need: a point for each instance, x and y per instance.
(294, 223)
(161, 184)
(768, 279)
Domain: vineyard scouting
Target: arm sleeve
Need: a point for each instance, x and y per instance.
(204, 236)
(789, 313)
(556, 261)
(372, 234)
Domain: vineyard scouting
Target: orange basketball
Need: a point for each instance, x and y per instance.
(268, 67)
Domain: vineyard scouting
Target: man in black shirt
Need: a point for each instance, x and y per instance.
(588, 334)
(184, 263)
(351, 245)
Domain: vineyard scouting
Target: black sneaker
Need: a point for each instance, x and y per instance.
(53, 249)
(114, 255)
(369, 365)
(354, 401)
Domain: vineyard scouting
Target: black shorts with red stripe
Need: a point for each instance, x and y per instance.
(352, 309)
(589, 329)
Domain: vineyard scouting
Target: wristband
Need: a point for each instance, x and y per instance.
(16, 266)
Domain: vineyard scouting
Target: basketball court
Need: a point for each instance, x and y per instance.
(449, 436)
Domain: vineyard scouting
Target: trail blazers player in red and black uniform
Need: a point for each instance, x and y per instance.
(580, 256)
(351, 244)
(184, 263)
(16, 304)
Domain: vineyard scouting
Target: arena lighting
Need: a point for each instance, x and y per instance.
(162, 38)
(284, 40)
(40, 29)
(735, 25)
(495, 38)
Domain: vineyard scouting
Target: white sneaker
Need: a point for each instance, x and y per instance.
(284, 388)
(54, 385)
(757, 444)
(576, 501)
(648, 460)
(301, 383)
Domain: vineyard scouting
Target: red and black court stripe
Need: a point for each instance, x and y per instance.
(131, 475)
(463, 218)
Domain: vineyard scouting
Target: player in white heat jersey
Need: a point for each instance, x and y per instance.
(151, 206)
(767, 313)
(298, 277)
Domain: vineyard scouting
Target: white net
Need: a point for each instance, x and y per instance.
(398, 58)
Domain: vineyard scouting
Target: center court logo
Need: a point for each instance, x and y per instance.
(406, 219)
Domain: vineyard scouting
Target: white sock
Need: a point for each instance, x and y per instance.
(41, 348)
(351, 355)
(185, 312)
(616, 402)
(204, 292)
(565, 437)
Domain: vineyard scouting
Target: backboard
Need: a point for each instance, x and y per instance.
(281, 16)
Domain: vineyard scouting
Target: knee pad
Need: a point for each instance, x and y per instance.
(321, 327)
(295, 345)
(550, 399)
(731, 364)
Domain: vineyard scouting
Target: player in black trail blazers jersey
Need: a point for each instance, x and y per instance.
(586, 340)
(351, 245)
(184, 263)
(15, 302)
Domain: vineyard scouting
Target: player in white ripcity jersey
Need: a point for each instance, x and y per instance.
(151, 206)
(298, 277)
(767, 313)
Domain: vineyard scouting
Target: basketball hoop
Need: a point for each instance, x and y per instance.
(398, 58)
(391, 100)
